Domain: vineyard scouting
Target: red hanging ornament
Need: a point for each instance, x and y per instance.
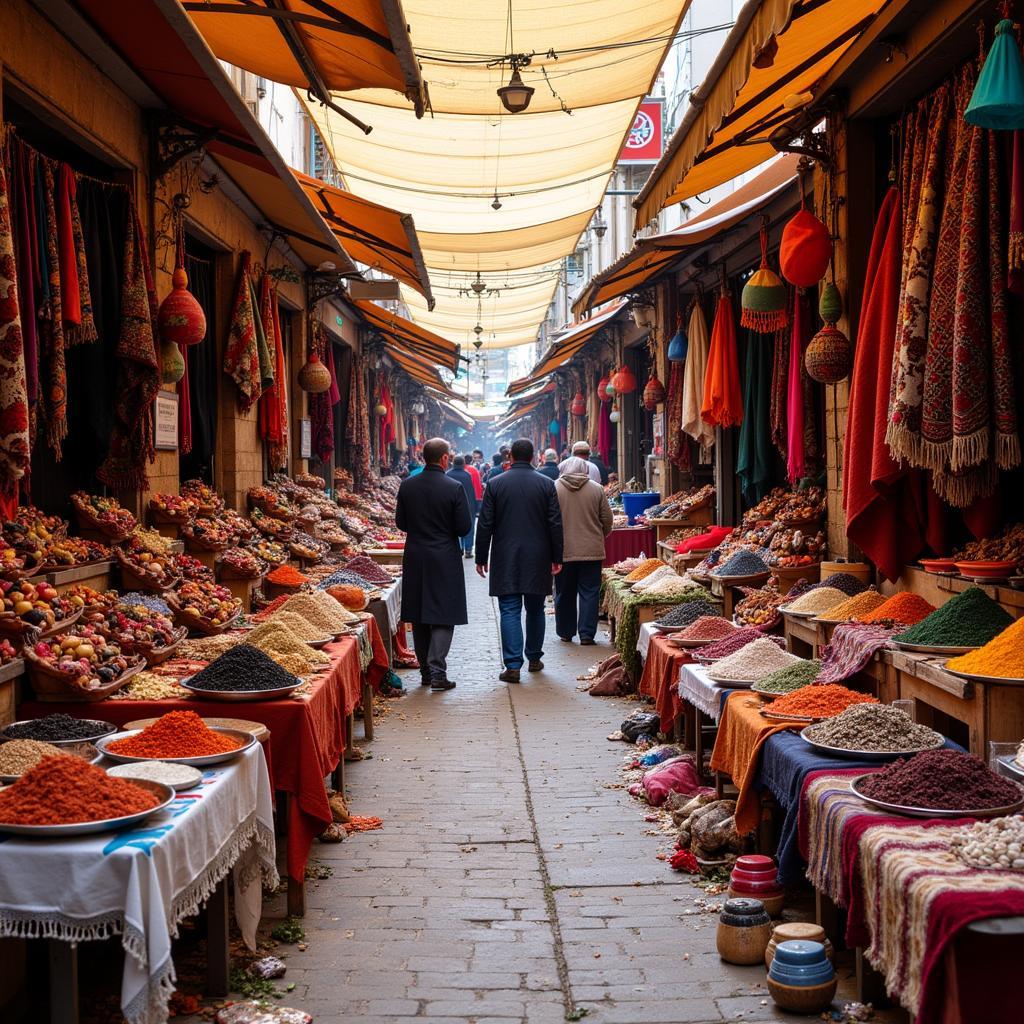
(624, 381)
(180, 319)
(654, 393)
(579, 405)
(602, 389)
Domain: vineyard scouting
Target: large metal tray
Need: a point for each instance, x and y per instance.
(104, 729)
(239, 696)
(164, 793)
(932, 649)
(245, 740)
(784, 609)
(931, 812)
(974, 678)
(863, 755)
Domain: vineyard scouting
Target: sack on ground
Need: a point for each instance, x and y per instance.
(640, 723)
(676, 776)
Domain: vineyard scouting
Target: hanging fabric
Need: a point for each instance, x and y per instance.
(780, 377)
(15, 454)
(604, 433)
(677, 444)
(138, 371)
(51, 321)
(184, 411)
(21, 177)
(241, 354)
(695, 371)
(76, 299)
(723, 397)
(269, 404)
(279, 433)
(1015, 245)
(796, 392)
(321, 419)
(753, 460)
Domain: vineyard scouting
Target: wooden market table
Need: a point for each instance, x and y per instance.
(308, 739)
(703, 700)
(698, 517)
(804, 637)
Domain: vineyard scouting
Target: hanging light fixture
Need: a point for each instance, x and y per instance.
(478, 284)
(515, 97)
(624, 380)
(600, 228)
(496, 205)
(478, 343)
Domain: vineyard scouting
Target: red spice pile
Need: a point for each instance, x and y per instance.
(708, 627)
(176, 734)
(819, 701)
(66, 791)
(287, 576)
(906, 608)
(265, 613)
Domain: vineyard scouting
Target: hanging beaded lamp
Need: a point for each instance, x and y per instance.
(764, 297)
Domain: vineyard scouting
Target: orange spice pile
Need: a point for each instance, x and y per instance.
(907, 608)
(287, 576)
(357, 823)
(176, 734)
(644, 569)
(819, 701)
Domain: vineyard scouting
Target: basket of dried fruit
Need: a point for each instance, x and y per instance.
(171, 509)
(205, 608)
(80, 667)
(240, 564)
(102, 515)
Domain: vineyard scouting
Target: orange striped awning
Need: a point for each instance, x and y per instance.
(418, 369)
(406, 335)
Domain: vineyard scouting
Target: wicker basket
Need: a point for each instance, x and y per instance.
(229, 572)
(131, 579)
(802, 523)
(271, 509)
(199, 624)
(193, 544)
(53, 686)
(789, 575)
(156, 655)
(14, 628)
(161, 517)
(89, 525)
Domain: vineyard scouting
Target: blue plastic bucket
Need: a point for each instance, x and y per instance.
(635, 504)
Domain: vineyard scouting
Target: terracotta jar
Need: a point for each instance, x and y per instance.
(756, 877)
(744, 929)
(801, 978)
(805, 931)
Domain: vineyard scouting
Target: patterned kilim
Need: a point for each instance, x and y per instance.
(853, 645)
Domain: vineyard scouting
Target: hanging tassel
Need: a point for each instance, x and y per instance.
(763, 301)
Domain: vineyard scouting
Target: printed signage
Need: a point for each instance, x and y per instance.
(645, 142)
(165, 434)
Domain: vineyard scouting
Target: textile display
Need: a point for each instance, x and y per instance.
(802, 433)
(279, 420)
(15, 455)
(357, 430)
(629, 542)
(852, 646)
(241, 353)
(694, 374)
(723, 398)
(51, 322)
(643, 639)
(142, 883)
(696, 688)
(263, 346)
(777, 411)
(321, 406)
(76, 297)
(1015, 243)
(20, 176)
(138, 370)
(660, 678)
(741, 734)
(270, 406)
(676, 442)
(753, 460)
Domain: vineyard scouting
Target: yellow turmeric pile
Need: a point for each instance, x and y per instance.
(644, 569)
(1002, 657)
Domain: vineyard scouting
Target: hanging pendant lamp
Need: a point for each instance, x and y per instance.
(180, 319)
(654, 393)
(764, 297)
(680, 344)
(603, 392)
(314, 377)
(172, 363)
(998, 98)
(624, 380)
(579, 405)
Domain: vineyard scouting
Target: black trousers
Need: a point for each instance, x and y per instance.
(432, 644)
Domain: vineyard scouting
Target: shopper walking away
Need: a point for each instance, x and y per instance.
(586, 521)
(459, 474)
(478, 484)
(496, 467)
(519, 538)
(435, 513)
(550, 466)
(581, 450)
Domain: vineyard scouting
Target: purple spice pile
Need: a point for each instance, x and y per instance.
(734, 641)
(941, 780)
(849, 585)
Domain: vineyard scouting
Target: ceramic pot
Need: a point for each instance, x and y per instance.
(800, 931)
(802, 999)
(744, 929)
(756, 876)
(769, 893)
(801, 978)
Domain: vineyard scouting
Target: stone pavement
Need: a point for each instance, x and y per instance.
(512, 880)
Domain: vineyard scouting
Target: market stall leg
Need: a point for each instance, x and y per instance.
(367, 710)
(63, 982)
(218, 945)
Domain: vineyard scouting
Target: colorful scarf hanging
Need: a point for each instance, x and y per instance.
(796, 397)
(51, 324)
(753, 460)
(241, 354)
(903, 434)
(138, 372)
(604, 433)
(184, 409)
(779, 393)
(320, 405)
(269, 402)
(357, 431)
(279, 447)
(76, 298)
(263, 343)
(678, 443)
(1015, 248)
(694, 374)
(723, 396)
(15, 454)
(24, 218)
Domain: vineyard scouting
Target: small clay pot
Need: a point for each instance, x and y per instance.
(744, 929)
(802, 999)
(801, 978)
(756, 876)
(804, 931)
(769, 894)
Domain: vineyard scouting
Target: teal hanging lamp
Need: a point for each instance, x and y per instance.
(679, 345)
(998, 99)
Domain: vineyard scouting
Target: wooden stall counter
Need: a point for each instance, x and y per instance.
(96, 575)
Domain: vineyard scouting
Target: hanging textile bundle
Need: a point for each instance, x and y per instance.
(998, 97)
(805, 249)
(180, 318)
(763, 300)
(172, 363)
(614, 416)
(314, 377)
(829, 356)
(624, 381)
(579, 405)
(605, 391)
(830, 305)
(554, 427)
(679, 344)
(654, 393)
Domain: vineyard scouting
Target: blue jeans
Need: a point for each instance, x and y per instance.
(467, 539)
(511, 608)
(578, 581)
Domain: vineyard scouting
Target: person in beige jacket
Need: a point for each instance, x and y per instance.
(586, 521)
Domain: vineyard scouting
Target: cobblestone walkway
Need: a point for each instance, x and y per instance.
(512, 881)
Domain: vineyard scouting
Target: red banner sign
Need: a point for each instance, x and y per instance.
(645, 142)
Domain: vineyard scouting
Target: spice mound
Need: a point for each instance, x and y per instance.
(675, 588)
(998, 843)
(941, 780)
(67, 791)
(820, 599)
(275, 639)
(819, 701)
(789, 678)
(645, 568)
(743, 563)
(906, 608)
(243, 669)
(734, 641)
(181, 776)
(688, 613)
(287, 576)
(878, 728)
(56, 727)
(322, 610)
(708, 627)
(844, 581)
(970, 619)
(176, 734)
(752, 662)
(852, 607)
(18, 756)
(1003, 656)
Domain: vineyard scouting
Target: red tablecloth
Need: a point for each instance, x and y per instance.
(629, 542)
(661, 679)
(307, 734)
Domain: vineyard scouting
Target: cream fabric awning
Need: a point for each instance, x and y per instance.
(548, 169)
(777, 49)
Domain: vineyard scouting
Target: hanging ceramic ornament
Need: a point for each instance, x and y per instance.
(998, 98)
(830, 305)
(679, 345)
(805, 250)
(654, 393)
(614, 416)
(624, 380)
(764, 297)
(579, 405)
(829, 354)
(180, 318)
(172, 363)
(380, 408)
(314, 377)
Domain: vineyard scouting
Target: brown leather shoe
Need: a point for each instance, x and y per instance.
(536, 666)
(510, 675)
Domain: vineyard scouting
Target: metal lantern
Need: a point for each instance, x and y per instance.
(314, 377)
(829, 355)
(579, 405)
(624, 381)
(654, 393)
(172, 363)
(180, 318)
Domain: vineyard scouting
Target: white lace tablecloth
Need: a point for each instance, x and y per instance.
(643, 638)
(392, 598)
(142, 882)
(696, 688)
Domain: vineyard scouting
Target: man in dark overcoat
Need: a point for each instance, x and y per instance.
(519, 539)
(434, 512)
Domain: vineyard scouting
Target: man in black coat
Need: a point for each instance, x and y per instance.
(458, 472)
(519, 538)
(434, 512)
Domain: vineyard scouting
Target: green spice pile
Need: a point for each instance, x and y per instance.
(879, 728)
(970, 619)
(790, 678)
